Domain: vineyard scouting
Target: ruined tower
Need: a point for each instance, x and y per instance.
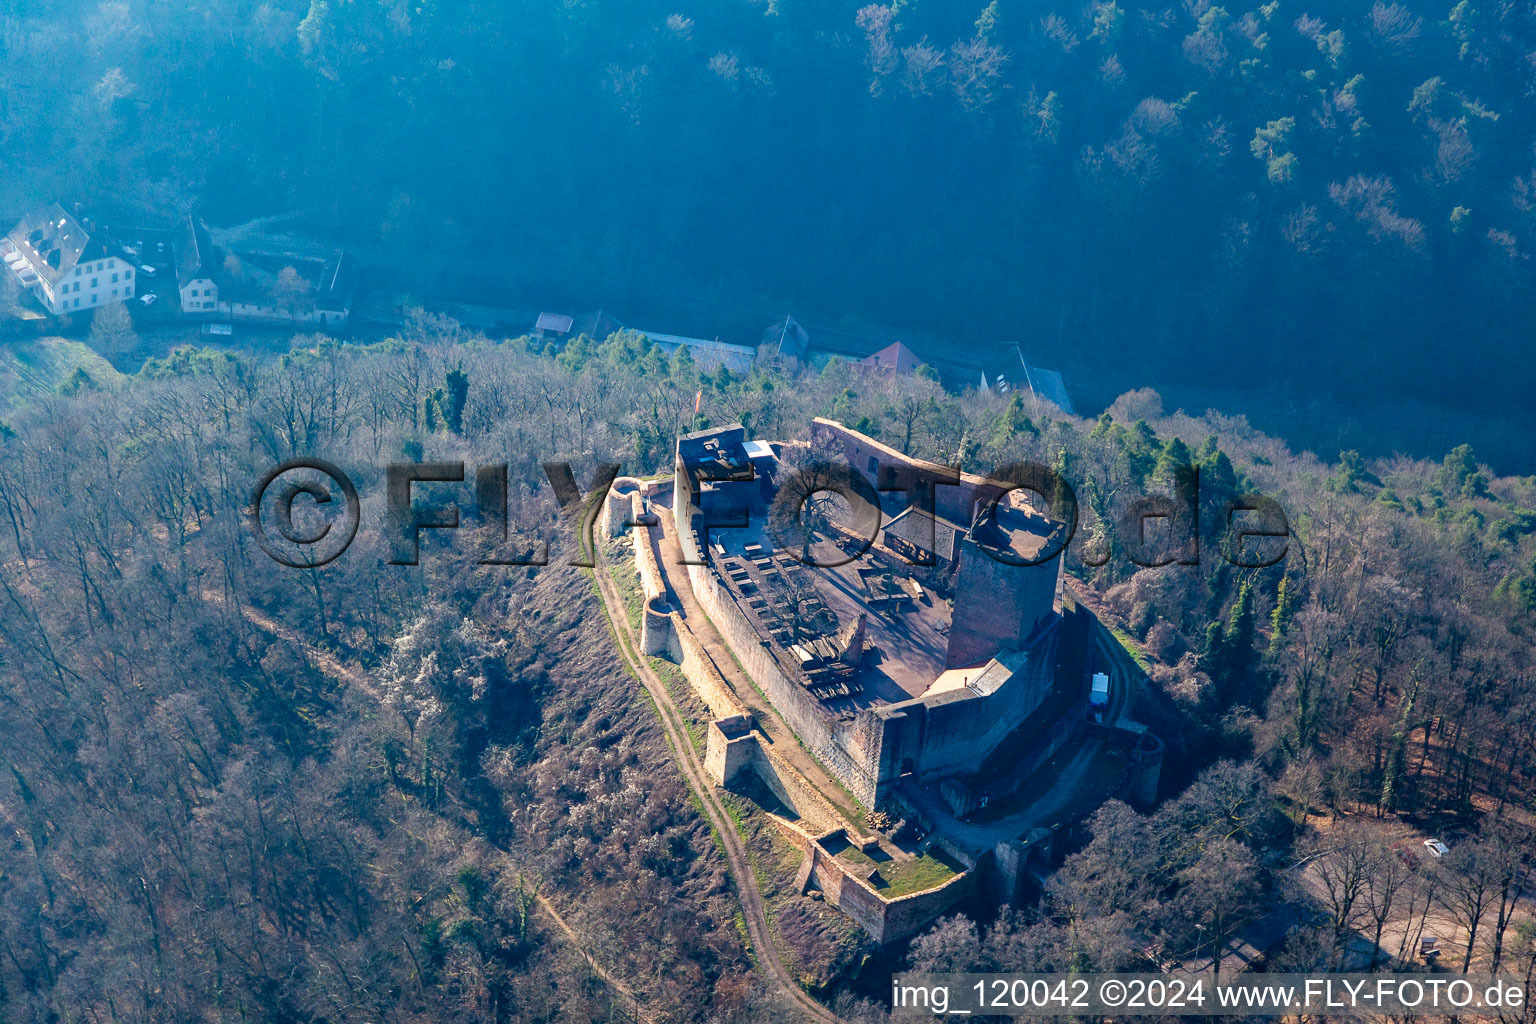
(1001, 605)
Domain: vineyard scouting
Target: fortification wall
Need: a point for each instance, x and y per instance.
(839, 749)
(907, 915)
(846, 893)
(677, 642)
(954, 732)
(734, 747)
(700, 671)
(799, 709)
(886, 920)
(619, 510)
(645, 555)
(1145, 772)
(955, 502)
(960, 734)
(794, 789)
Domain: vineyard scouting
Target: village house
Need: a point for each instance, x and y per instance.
(194, 270)
(894, 358)
(64, 265)
(256, 285)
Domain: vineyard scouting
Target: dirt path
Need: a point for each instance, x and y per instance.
(338, 670)
(753, 909)
(754, 912)
(632, 1005)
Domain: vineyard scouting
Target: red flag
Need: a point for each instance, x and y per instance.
(697, 401)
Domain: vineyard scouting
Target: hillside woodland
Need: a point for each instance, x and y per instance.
(1340, 201)
(231, 788)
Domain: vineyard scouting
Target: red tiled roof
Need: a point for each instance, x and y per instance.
(895, 356)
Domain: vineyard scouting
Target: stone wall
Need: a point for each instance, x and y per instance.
(955, 502)
(1145, 772)
(960, 728)
(700, 671)
(645, 555)
(998, 606)
(842, 748)
(619, 510)
(657, 635)
(730, 748)
(663, 632)
(734, 746)
(731, 741)
(886, 920)
(794, 789)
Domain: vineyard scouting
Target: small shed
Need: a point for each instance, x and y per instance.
(552, 325)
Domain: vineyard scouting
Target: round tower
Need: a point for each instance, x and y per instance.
(619, 508)
(656, 626)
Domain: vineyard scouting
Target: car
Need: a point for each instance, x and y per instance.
(131, 250)
(1436, 848)
(148, 300)
(147, 270)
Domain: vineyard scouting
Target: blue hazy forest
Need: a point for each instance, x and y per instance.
(232, 790)
(1296, 200)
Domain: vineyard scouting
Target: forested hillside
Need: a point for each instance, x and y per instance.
(1293, 199)
(232, 788)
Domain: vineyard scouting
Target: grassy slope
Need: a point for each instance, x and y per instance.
(32, 368)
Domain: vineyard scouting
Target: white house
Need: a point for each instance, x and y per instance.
(195, 269)
(265, 286)
(54, 257)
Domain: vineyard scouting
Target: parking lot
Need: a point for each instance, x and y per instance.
(153, 254)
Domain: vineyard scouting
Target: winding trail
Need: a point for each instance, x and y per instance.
(669, 557)
(338, 670)
(753, 910)
(630, 1002)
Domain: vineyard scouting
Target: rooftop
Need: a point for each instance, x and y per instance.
(1049, 385)
(710, 349)
(717, 454)
(196, 256)
(982, 679)
(924, 531)
(53, 243)
(894, 356)
(338, 283)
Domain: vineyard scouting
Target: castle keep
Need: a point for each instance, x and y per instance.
(907, 645)
(865, 661)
